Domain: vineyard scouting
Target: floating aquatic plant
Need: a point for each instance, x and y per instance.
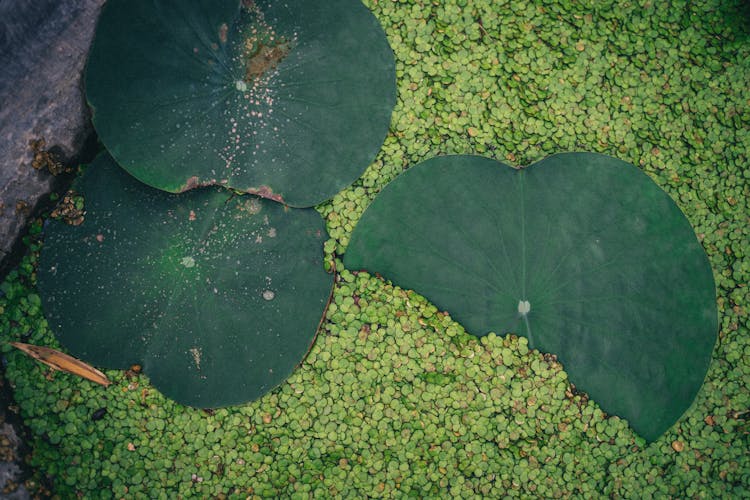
(658, 84)
(217, 296)
(581, 253)
(289, 100)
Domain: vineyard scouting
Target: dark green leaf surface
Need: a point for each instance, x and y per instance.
(217, 296)
(606, 268)
(182, 95)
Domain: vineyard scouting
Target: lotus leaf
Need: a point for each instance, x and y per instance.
(581, 253)
(289, 100)
(217, 296)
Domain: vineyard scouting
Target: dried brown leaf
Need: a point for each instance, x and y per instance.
(63, 362)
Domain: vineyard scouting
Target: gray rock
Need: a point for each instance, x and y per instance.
(43, 47)
(11, 487)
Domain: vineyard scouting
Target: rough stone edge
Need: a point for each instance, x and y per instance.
(43, 55)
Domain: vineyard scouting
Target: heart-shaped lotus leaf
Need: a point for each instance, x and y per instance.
(581, 253)
(217, 296)
(289, 100)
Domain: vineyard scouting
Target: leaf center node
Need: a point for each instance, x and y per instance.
(524, 306)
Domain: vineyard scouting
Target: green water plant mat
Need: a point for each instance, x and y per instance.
(289, 100)
(581, 253)
(217, 296)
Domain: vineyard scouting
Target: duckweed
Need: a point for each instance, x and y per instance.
(395, 399)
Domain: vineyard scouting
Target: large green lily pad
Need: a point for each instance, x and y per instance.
(581, 253)
(289, 100)
(217, 296)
